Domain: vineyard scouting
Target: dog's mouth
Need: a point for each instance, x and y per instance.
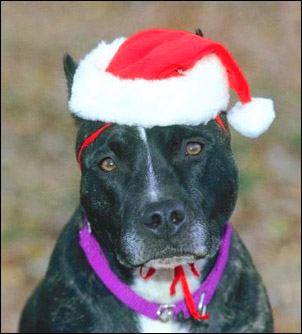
(165, 262)
(168, 259)
(169, 256)
(170, 262)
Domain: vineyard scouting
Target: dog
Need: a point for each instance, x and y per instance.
(157, 201)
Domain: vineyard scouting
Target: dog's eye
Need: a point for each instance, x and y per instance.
(194, 148)
(107, 165)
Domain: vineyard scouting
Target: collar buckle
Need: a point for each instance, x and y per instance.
(202, 308)
(89, 227)
(165, 312)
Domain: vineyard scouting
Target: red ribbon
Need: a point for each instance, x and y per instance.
(150, 272)
(90, 140)
(193, 269)
(179, 274)
(218, 120)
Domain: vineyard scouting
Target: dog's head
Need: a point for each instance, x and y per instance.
(159, 195)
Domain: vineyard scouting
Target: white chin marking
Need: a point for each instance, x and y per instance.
(170, 262)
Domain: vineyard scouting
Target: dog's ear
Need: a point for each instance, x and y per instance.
(198, 32)
(223, 116)
(70, 67)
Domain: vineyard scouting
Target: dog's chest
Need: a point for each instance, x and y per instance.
(157, 289)
(147, 325)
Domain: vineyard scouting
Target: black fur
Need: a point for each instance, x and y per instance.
(199, 32)
(70, 67)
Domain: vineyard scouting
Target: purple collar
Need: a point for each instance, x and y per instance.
(202, 296)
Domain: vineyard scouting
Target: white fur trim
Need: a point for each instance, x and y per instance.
(253, 118)
(194, 98)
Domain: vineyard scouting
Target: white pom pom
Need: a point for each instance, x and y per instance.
(253, 118)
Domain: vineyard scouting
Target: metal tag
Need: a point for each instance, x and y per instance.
(165, 312)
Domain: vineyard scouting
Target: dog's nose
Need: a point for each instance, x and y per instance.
(164, 218)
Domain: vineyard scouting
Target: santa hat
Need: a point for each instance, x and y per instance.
(161, 77)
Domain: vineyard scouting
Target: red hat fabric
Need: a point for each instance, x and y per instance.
(165, 77)
(160, 54)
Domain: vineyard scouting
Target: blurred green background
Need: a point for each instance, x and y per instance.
(40, 178)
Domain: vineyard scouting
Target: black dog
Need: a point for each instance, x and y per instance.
(157, 196)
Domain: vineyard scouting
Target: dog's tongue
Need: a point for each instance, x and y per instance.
(179, 274)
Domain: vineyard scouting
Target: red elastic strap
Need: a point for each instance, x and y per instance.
(150, 272)
(220, 123)
(177, 274)
(180, 275)
(194, 270)
(91, 139)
